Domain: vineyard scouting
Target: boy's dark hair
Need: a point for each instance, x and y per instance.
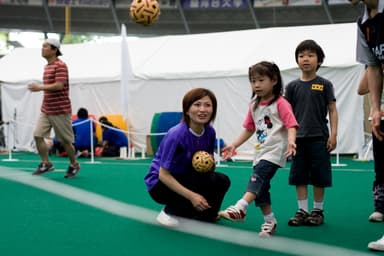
(82, 113)
(310, 45)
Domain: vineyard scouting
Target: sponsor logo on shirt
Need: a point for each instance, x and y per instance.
(317, 87)
(379, 51)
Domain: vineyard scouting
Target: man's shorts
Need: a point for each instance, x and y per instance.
(61, 124)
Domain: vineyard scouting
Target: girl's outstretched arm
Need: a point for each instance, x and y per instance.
(243, 137)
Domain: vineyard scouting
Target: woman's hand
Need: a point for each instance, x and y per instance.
(199, 202)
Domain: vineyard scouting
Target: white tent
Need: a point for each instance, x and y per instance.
(165, 68)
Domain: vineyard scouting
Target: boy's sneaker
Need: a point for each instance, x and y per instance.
(377, 245)
(167, 220)
(376, 217)
(233, 213)
(299, 218)
(316, 218)
(268, 229)
(72, 170)
(43, 168)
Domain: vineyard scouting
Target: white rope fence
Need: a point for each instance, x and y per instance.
(131, 154)
(125, 153)
(10, 158)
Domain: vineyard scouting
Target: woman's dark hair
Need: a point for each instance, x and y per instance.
(104, 120)
(310, 45)
(271, 70)
(194, 95)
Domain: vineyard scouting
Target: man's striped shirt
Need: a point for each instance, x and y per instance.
(56, 102)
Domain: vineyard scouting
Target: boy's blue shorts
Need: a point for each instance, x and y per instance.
(312, 163)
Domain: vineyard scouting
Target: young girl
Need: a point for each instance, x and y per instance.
(271, 117)
(171, 179)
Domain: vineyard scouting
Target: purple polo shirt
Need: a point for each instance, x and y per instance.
(176, 150)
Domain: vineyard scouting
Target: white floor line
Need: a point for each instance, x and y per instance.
(213, 231)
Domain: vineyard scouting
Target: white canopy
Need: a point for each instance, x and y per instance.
(165, 68)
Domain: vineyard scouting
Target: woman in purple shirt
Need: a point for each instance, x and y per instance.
(171, 179)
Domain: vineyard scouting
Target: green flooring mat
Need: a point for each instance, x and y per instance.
(106, 210)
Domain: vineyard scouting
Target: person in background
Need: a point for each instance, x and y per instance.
(313, 99)
(378, 152)
(271, 118)
(56, 110)
(113, 138)
(81, 129)
(370, 52)
(172, 181)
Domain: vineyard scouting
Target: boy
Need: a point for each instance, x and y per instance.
(312, 98)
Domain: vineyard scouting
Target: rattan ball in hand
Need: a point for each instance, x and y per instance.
(144, 12)
(202, 161)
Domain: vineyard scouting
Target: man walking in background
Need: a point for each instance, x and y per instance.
(55, 110)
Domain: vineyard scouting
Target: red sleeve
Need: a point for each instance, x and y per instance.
(249, 123)
(286, 113)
